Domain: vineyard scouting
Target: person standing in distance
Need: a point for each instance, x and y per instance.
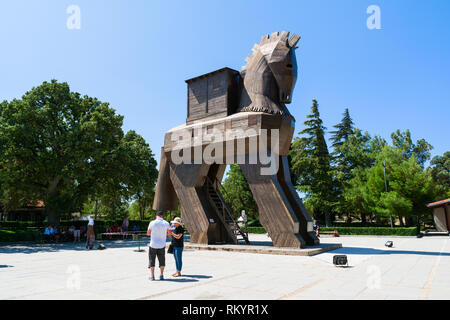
(158, 230)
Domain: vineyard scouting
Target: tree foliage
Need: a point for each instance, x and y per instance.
(311, 166)
(64, 148)
(237, 193)
(440, 171)
(420, 150)
(410, 188)
(354, 185)
(343, 131)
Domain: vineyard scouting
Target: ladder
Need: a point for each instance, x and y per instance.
(224, 212)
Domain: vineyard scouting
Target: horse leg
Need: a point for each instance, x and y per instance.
(197, 213)
(275, 211)
(165, 196)
(303, 216)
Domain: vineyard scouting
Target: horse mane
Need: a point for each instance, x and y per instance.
(268, 43)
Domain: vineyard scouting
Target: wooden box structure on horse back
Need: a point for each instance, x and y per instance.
(212, 95)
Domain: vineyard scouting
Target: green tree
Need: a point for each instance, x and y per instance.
(415, 184)
(343, 131)
(354, 195)
(237, 193)
(139, 172)
(341, 166)
(129, 174)
(409, 187)
(135, 212)
(54, 141)
(440, 171)
(310, 161)
(421, 149)
(357, 152)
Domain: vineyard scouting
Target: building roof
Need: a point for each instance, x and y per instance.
(35, 204)
(211, 73)
(438, 203)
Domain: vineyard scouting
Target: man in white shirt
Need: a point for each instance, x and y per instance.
(158, 230)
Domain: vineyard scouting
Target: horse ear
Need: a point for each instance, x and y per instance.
(293, 40)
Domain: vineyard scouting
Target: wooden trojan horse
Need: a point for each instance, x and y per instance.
(237, 117)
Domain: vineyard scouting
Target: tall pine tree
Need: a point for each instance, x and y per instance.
(310, 162)
(343, 130)
(342, 165)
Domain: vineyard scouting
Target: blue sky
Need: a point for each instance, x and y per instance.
(136, 54)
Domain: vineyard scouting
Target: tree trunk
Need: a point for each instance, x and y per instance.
(363, 217)
(96, 210)
(377, 220)
(141, 212)
(409, 221)
(328, 221)
(53, 218)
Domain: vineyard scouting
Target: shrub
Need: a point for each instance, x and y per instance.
(19, 235)
(254, 223)
(20, 225)
(378, 231)
(412, 231)
(100, 225)
(256, 230)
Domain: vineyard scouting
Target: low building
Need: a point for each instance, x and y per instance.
(441, 215)
(31, 211)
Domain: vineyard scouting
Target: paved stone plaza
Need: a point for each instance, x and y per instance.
(413, 269)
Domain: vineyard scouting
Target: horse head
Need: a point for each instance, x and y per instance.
(270, 74)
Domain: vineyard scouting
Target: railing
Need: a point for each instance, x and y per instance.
(225, 210)
(232, 204)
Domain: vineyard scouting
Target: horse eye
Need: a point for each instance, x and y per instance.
(289, 66)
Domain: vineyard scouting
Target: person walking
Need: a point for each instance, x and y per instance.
(90, 235)
(125, 224)
(76, 233)
(158, 230)
(316, 228)
(178, 244)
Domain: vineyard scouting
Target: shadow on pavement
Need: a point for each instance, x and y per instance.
(196, 276)
(261, 243)
(33, 247)
(179, 280)
(30, 248)
(372, 251)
